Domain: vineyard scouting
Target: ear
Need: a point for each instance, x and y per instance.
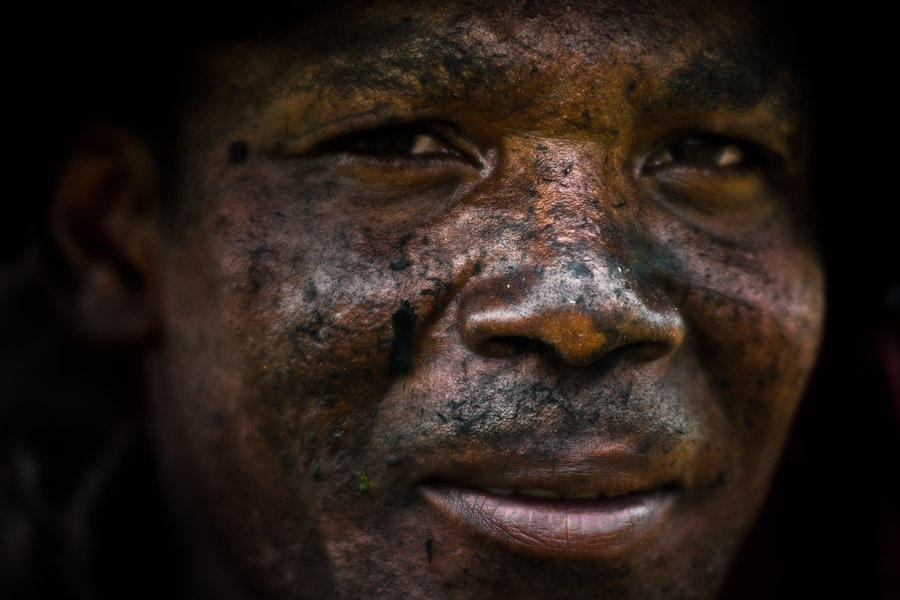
(104, 221)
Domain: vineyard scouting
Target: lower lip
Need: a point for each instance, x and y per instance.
(598, 530)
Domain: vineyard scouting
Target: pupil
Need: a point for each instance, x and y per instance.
(393, 142)
(698, 150)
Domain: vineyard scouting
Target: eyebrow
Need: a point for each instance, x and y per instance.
(724, 77)
(433, 65)
(732, 74)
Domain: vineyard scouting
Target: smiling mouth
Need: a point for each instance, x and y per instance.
(585, 525)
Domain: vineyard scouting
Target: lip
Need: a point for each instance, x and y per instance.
(600, 504)
(600, 529)
(576, 496)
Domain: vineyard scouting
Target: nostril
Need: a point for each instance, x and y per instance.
(640, 351)
(541, 319)
(514, 345)
(650, 350)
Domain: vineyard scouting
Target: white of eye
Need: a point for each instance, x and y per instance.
(702, 151)
(731, 155)
(427, 144)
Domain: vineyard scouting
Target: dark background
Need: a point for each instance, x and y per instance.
(80, 509)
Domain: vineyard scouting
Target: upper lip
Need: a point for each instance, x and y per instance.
(608, 469)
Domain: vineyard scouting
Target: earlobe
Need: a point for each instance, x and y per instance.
(104, 224)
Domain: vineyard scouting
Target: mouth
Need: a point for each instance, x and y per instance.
(573, 516)
(588, 526)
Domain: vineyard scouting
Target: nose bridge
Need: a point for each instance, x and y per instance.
(573, 200)
(569, 244)
(568, 282)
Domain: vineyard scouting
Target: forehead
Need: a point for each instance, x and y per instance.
(702, 51)
(522, 27)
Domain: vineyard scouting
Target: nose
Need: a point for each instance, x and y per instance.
(570, 297)
(580, 318)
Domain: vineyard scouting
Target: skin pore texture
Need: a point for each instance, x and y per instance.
(423, 259)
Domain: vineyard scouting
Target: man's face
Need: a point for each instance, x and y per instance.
(493, 300)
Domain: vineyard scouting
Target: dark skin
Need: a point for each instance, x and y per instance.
(554, 248)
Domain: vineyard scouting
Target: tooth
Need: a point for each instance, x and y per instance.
(499, 491)
(584, 496)
(540, 494)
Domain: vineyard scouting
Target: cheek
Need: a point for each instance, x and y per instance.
(282, 334)
(293, 322)
(754, 314)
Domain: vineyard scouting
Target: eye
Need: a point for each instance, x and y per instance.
(414, 141)
(710, 152)
(395, 142)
